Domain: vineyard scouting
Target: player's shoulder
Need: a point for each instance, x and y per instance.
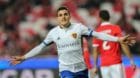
(76, 24)
(108, 26)
(54, 30)
(116, 27)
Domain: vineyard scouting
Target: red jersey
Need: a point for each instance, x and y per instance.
(109, 51)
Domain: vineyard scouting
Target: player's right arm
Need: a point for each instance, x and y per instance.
(95, 54)
(95, 58)
(127, 52)
(35, 51)
(126, 49)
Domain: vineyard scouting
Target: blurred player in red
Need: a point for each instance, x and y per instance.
(86, 55)
(110, 54)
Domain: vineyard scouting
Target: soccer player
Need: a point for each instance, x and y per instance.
(67, 37)
(86, 55)
(111, 61)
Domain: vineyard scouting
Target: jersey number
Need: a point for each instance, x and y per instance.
(105, 45)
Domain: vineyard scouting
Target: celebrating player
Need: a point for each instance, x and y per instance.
(68, 37)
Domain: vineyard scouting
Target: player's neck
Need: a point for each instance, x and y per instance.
(65, 26)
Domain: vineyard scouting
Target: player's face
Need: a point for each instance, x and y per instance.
(63, 18)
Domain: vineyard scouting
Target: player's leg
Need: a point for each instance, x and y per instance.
(105, 72)
(117, 71)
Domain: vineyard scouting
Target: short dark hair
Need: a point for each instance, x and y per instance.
(104, 14)
(62, 8)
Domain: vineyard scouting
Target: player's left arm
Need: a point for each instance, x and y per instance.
(122, 40)
(125, 48)
(127, 52)
(103, 36)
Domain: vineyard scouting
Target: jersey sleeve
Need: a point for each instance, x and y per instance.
(49, 38)
(35, 51)
(85, 30)
(95, 42)
(38, 49)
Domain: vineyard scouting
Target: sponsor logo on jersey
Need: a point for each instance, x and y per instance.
(67, 45)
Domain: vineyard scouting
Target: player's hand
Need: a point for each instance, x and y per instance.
(16, 59)
(127, 40)
(93, 72)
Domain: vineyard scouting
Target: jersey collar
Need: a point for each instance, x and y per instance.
(105, 23)
(65, 27)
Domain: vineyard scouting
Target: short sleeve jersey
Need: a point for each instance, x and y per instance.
(109, 51)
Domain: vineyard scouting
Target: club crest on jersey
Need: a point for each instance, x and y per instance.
(74, 35)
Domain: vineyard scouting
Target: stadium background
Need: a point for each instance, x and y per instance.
(25, 23)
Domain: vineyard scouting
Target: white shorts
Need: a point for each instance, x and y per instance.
(91, 74)
(113, 71)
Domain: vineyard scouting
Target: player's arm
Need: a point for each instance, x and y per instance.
(95, 54)
(127, 52)
(38, 49)
(35, 51)
(99, 35)
(125, 48)
(103, 36)
(123, 40)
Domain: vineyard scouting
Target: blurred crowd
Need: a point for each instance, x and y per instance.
(25, 23)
